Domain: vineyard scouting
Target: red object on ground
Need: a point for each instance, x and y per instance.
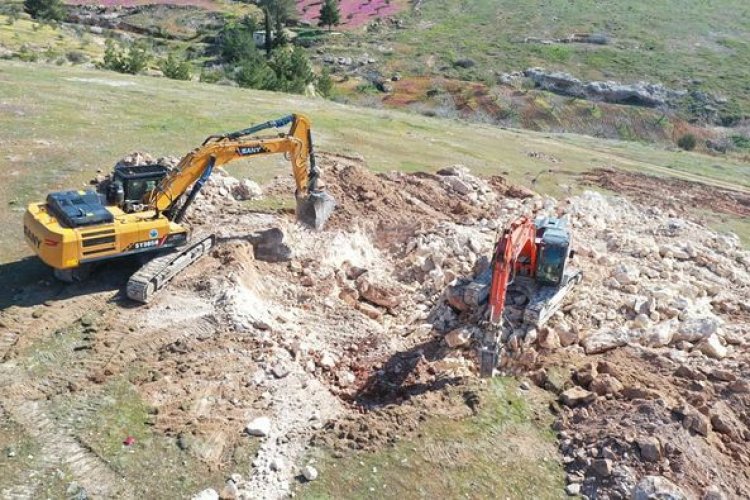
(128, 441)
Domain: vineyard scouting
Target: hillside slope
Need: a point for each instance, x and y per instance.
(683, 44)
(59, 125)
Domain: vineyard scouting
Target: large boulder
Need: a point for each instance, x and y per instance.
(657, 488)
(698, 328)
(609, 338)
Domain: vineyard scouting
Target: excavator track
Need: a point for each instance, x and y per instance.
(153, 276)
(547, 300)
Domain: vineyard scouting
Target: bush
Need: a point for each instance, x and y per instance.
(210, 75)
(76, 57)
(255, 74)
(292, 69)
(235, 42)
(175, 69)
(687, 142)
(45, 9)
(132, 61)
(325, 83)
(741, 142)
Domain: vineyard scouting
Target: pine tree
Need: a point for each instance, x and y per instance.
(276, 13)
(45, 9)
(330, 14)
(325, 83)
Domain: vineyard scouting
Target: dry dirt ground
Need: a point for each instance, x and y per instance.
(343, 346)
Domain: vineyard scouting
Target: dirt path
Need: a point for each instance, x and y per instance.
(669, 193)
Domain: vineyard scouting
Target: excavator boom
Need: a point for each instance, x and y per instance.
(314, 206)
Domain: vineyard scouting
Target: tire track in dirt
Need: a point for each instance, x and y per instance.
(111, 351)
(69, 306)
(89, 470)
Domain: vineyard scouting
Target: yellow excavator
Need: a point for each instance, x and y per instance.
(140, 209)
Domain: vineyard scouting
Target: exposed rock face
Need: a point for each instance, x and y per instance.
(639, 94)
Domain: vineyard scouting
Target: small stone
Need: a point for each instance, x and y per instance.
(458, 337)
(641, 321)
(696, 422)
(327, 361)
(280, 371)
(688, 373)
(602, 467)
(310, 473)
(567, 335)
(606, 384)
(576, 396)
(346, 378)
(261, 325)
(277, 464)
(653, 487)
(713, 493)
(370, 311)
(586, 374)
(207, 494)
(573, 489)
(260, 427)
(739, 386)
(547, 338)
(650, 449)
(230, 491)
(722, 375)
(712, 347)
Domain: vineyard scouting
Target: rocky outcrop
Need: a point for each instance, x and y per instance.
(638, 94)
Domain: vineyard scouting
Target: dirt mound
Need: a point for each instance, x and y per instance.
(402, 202)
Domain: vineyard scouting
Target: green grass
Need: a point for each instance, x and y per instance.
(154, 460)
(46, 42)
(502, 452)
(58, 125)
(681, 43)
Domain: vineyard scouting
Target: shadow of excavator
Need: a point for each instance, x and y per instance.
(405, 375)
(29, 283)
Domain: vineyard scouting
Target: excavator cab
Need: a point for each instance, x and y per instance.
(131, 184)
(553, 250)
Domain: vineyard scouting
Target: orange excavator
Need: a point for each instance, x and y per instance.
(533, 256)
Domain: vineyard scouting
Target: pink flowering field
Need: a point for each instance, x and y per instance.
(354, 13)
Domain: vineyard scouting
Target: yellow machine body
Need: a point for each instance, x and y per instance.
(114, 229)
(66, 248)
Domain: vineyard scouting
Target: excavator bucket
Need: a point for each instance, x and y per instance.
(315, 209)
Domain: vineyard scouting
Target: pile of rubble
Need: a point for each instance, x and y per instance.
(356, 316)
(674, 296)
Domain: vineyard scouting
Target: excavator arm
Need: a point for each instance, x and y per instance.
(516, 251)
(313, 205)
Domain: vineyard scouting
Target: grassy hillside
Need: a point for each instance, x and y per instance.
(681, 43)
(58, 125)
